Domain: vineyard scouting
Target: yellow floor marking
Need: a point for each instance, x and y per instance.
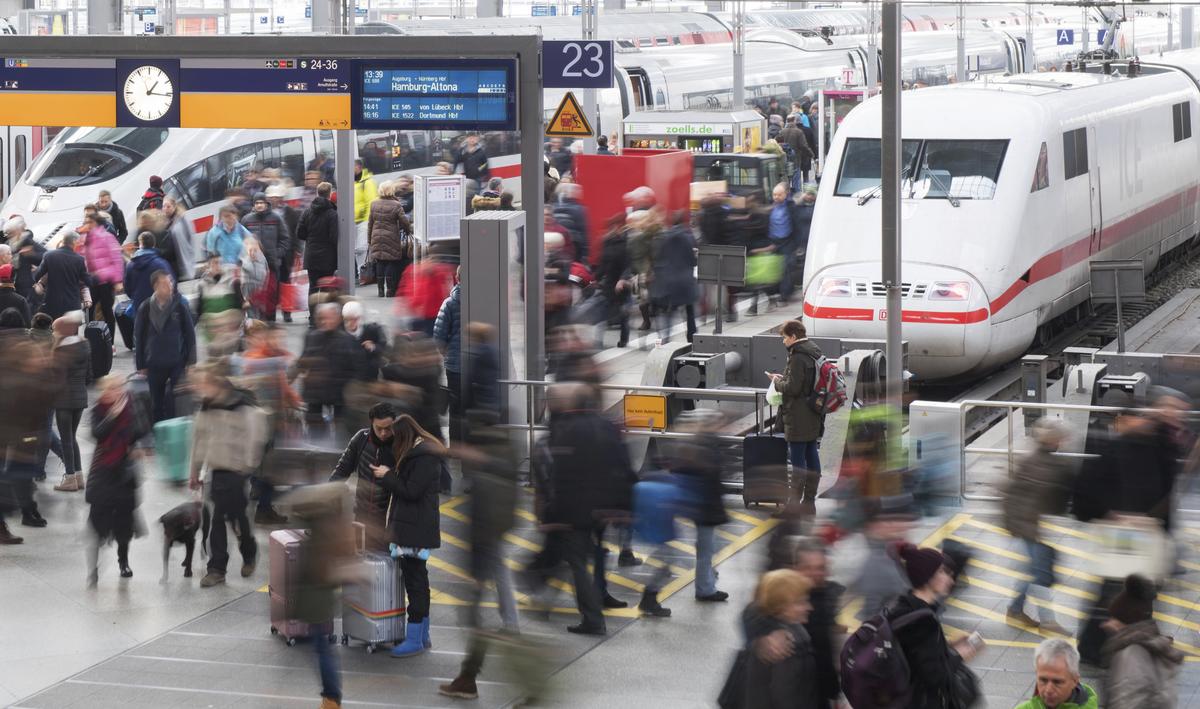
(1069, 551)
(848, 617)
(948, 528)
(1009, 593)
(527, 515)
(682, 546)
(1070, 532)
(993, 615)
(452, 502)
(455, 515)
(727, 534)
(1005, 571)
(265, 589)
(998, 551)
(743, 517)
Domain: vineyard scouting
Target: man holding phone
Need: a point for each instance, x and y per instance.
(802, 426)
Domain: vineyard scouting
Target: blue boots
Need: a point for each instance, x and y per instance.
(416, 640)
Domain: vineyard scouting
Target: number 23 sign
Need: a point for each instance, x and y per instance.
(577, 64)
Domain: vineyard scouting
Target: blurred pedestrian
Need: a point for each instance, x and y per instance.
(674, 284)
(66, 278)
(447, 333)
(113, 480)
(780, 669)
(389, 240)
(260, 289)
(218, 291)
(102, 254)
(72, 358)
(644, 237)
(1143, 664)
(1039, 486)
(489, 198)
(164, 343)
(183, 237)
(331, 358)
(881, 578)
(228, 440)
(1057, 685)
(700, 463)
(474, 161)
(275, 241)
(481, 367)
(1132, 472)
(25, 409)
(569, 212)
(802, 426)
(369, 335)
(318, 230)
(105, 203)
(146, 261)
(811, 560)
(226, 236)
(559, 293)
(9, 298)
(940, 679)
(414, 521)
(784, 230)
(155, 222)
(424, 286)
(365, 192)
(615, 276)
(27, 258)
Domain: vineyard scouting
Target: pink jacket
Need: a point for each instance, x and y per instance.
(103, 256)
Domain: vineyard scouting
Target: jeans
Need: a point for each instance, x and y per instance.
(706, 577)
(806, 468)
(68, 425)
(662, 572)
(387, 273)
(104, 295)
(327, 662)
(162, 390)
(416, 585)
(665, 316)
(1041, 568)
(229, 507)
(266, 493)
(487, 564)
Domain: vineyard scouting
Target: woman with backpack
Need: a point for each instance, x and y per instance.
(802, 426)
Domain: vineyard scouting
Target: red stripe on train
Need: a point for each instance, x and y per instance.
(925, 317)
(203, 224)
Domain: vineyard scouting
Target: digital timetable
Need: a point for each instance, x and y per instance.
(448, 94)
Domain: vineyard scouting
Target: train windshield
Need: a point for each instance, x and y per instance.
(958, 169)
(861, 164)
(86, 156)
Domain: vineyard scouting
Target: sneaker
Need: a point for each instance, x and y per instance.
(714, 597)
(212, 578)
(585, 629)
(268, 517)
(628, 559)
(248, 568)
(463, 687)
(70, 483)
(1020, 618)
(610, 602)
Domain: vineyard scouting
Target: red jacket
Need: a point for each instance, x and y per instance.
(425, 285)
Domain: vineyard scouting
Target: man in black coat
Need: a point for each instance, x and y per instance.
(66, 275)
(370, 446)
(331, 358)
(9, 298)
(105, 203)
(318, 228)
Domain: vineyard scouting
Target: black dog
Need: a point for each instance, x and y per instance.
(180, 525)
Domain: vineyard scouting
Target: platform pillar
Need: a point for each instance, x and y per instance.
(104, 17)
(891, 181)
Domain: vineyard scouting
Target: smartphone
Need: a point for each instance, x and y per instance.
(976, 641)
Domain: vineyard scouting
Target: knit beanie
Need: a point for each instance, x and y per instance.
(1135, 602)
(921, 563)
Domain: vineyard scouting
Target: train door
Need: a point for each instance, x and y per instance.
(16, 146)
(1094, 201)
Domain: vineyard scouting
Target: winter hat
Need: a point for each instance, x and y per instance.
(155, 182)
(260, 196)
(921, 563)
(1135, 602)
(6, 273)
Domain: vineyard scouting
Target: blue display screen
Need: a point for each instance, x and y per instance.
(470, 94)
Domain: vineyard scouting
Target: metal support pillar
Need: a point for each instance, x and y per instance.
(873, 48)
(167, 14)
(104, 17)
(532, 127)
(739, 55)
(591, 17)
(343, 162)
(960, 43)
(1186, 36)
(890, 182)
(1170, 27)
(1086, 20)
(489, 8)
(1030, 60)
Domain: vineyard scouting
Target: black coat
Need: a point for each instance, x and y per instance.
(573, 217)
(172, 347)
(66, 272)
(715, 227)
(615, 265)
(24, 266)
(591, 474)
(427, 411)
(273, 236)
(118, 222)
(371, 332)
(370, 497)
(932, 662)
(73, 364)
(415, 519)
(9, 298)
(1134, 474)
(820, 626)
(331, 358)
(700, 461)
(790, 683)
(674, 283)
(474, 163)
(319, 230)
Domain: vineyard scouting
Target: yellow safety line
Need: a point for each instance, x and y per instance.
(743, 517)
(456, 515)
(527, 515)
(990, 614)
(1009, 593)
(948, 528)
(452, 502)
(1064, 570)
(848, 617)
(1011, 573)
(682, 546)
(1070, 532)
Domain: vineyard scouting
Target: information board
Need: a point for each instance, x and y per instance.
(58, 92)
(448, 94)
(438, 207)
(289, 92)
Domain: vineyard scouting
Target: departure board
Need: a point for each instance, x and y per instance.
(445, 94)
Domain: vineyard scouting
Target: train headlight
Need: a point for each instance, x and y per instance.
(950, 290)
(43, 202)
(835, 288)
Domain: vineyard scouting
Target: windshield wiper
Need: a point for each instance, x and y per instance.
(879, 188)
(937, 181)
(91, 172)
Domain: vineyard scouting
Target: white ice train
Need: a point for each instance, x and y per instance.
(1012, 185)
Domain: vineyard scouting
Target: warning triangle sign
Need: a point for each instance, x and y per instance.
(569, 120)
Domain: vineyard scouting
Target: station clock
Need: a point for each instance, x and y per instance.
(147, 93)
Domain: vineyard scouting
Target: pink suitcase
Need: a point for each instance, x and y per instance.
(286, 547)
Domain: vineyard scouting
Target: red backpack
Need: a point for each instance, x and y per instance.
(829, 386)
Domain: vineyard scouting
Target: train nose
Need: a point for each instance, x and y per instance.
(945, 313)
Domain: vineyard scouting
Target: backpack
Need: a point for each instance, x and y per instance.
(829, 386)
(875, 673)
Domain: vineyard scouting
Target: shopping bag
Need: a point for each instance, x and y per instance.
(764, 269)
(1132, 545)
(774, 398)
(293, 295)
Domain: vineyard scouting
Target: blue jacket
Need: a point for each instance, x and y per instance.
(172, 347)
(138, 271)
(226, 243)
(447, 329)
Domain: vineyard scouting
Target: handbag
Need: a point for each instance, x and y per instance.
(964, 689)
(764, 269)
(733, 692)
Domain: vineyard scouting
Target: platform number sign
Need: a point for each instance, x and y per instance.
(577, 64)
(1066, 37)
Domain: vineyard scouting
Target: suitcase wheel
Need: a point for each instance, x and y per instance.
(370, 648)
(291, 642)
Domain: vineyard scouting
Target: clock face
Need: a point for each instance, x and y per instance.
(148, 93)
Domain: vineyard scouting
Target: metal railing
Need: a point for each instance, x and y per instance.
(531, 386)
(1010, 451)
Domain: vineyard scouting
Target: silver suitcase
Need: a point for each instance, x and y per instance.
(373, 610)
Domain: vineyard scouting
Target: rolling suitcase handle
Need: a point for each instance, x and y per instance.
(360, 538)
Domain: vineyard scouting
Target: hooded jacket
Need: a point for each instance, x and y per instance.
(388, 233)
(273, 236)
(365, 192)
(1143, 667)
(171, 347)
(800, 422)
(226, 242)
(137, 274)
(319, 230)
(414, 485)
(103, 256)
(1040, 485)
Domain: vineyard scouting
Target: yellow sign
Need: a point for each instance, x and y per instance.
(569, 120)
(645, 411)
